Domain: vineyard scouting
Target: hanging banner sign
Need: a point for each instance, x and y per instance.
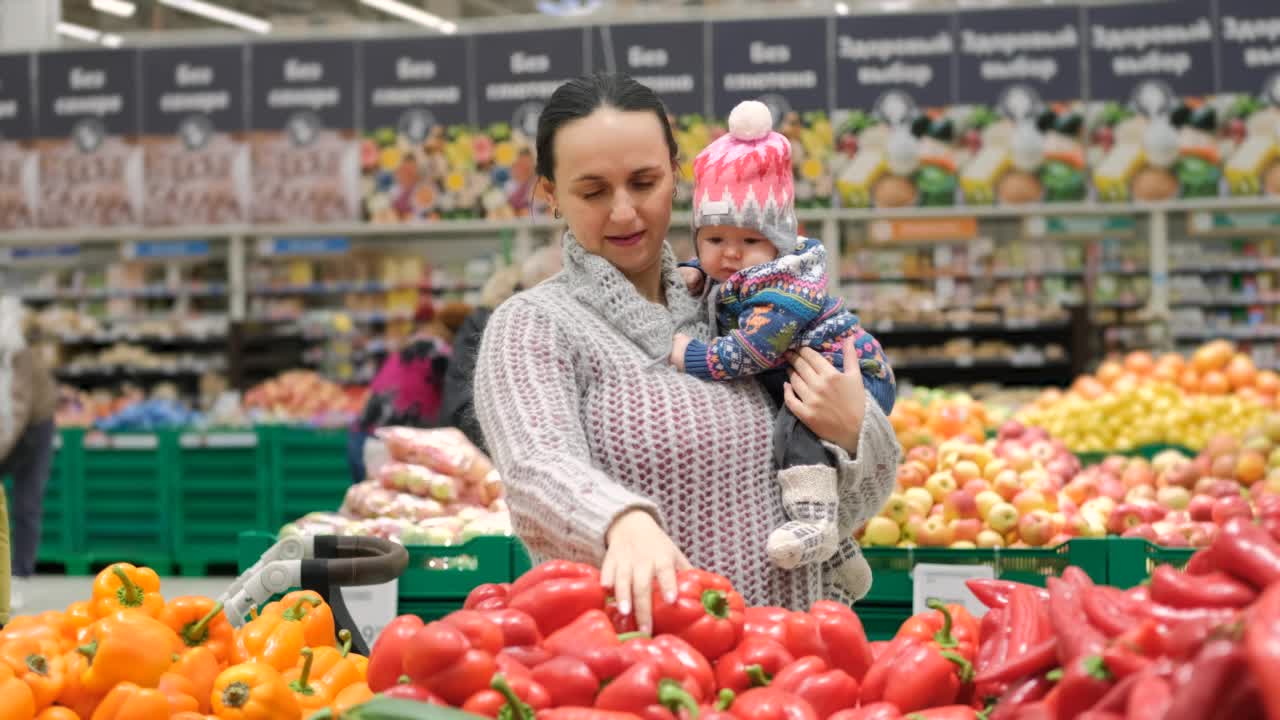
(1169, 43)
(782, 63)
(1036, 48)
(517, 72)
(19, 165)
(910, 54)
(667, 58)
(1250, 35)
(413, 84)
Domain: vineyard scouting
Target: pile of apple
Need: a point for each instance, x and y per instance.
(929, 417)
(1001, 493)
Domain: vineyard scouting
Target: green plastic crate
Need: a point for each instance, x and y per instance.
(1133, 559)
(892, 583)
(221, 488)
(881, 621)
(1146, 451)
(308, 471)
(127, 483)
(59, 514)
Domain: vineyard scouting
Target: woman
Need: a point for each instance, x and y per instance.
(609, 455)
(457, 407)
(407, 388)
(27, 402)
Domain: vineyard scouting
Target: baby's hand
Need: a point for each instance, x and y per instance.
(693, 278)
(678, 345)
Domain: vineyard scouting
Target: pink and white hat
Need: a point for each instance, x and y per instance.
(744, 179)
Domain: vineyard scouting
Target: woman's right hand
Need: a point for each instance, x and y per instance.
(639, 550)
(693, 278)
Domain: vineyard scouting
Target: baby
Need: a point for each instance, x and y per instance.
(768, 294)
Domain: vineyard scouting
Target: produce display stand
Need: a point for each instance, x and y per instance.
(1132, 560)
(438, 577)
(1148, 452)
(308, 471)
(221, 487)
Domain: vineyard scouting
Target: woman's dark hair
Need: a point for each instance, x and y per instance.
(581, 96)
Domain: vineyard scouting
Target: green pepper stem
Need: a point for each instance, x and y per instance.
(130, 594)
(37, 664)
(90, 651)
(943, 637)
(404, 680)
(1096, 667)
(626, 637)
(303, 684)
(759, 678)
(966, 667)
(515, 707)
(725, 700)
(716, 603)
(1053, 675)
(236, 695)
(295, 613)
(674, 697)
(344, 637)
(197, 632)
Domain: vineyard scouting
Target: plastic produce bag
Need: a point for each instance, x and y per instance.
(444, 450)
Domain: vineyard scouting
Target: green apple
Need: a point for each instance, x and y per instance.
(882, 532)
(1002, 517)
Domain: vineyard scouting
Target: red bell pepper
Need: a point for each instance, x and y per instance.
(1262, 647)
(386, 660)
(406, 690)
(442, 658)
(949, 712)
(490, 596)
(509, 698)
(557, 592)
(1248, 552)
(767, 622)
(677, 659)
(483, 633)
(707, 613)
(518, 628)
(569, 680)
(827, 690)
(622, 623)
(771, 704)
(914, 675)
(1216, 589)
(874, 711)
(844, 641)
(951, 627)
(584, 713)
(752, 664)
(1085, 681)
(591, 629)
(648, 692)
(877, 649)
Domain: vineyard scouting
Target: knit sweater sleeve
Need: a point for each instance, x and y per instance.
(528, 403)
(864, 483)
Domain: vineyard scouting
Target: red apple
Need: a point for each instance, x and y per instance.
(1201, 508)
(1174, 497)
(1226, 508)
(975, 486)
(909, 475)
(1125, 517)
(1173, 539)
(1224, 466)
(1138, 474)
(1141, 492)
(1110, 486)
(1007, 484)
(1002, 517)
(925, 454)
(1141, 531)
(966, 529)
(1042, 451)
(1035, 528)
(1028, 500)
(935, 533)
(1114, 464)
(940, 484)
(1183, 474)
(959, 504)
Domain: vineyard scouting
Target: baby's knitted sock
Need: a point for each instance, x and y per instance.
(809, 499)
(846, 576)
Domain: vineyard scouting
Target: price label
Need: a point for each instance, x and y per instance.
(946, 583)
(371, 607)
(964, 362)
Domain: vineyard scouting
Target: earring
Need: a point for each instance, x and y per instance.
(555, 212)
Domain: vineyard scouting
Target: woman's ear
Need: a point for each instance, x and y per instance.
(547, 189)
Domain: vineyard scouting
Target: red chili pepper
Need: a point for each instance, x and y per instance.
(1020, 694)
(995, 630)
(1085, 681)
(1099, 715)
(557, 592)
(949, 712)
(677, 658)
(648, 692)
(509, 698)
(386, 660)
(1108, 609)
(1135, 650)
(490, 596)
(1150, 697)
(591, 629)
(1200, 564)
(914, 675)
(1247, 552)
(442, 658)
(707, 613)
(1076, 636)
(1035, 660)
(771, 704)
(951, 627)
(1201, 683)
(827, 690)
(1216, 589)
(752, 664)
(1262, 645)
(874, 711)
(1173, 616)
(584, 713)
(766, 621)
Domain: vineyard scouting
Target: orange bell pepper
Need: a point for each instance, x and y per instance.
(192, 716)
(352, 696)
(311, 695)
(57, 712)
(125, 587)
(178, 692)
(277, 636)
(127, 701)
(40, 632)
(38, 664)
(18, 703)
(200, 668)
(55, 624)
(200, 621)
(336, 668)
(74, 694)
(80, 615)
(254, 691)
(128, 647)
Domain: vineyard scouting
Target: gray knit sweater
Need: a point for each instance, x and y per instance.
(586, 420)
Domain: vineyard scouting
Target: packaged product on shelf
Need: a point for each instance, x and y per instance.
(444, 450)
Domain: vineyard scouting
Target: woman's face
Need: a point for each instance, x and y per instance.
(614, 181)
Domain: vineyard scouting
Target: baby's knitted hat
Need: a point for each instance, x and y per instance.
(743, 179)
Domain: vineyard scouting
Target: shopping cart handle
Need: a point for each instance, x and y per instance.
(347, 561)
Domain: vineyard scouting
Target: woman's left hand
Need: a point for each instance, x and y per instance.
(829, 402)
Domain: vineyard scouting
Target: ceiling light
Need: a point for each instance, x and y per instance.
(112, 40)
(79, 32)
(121, 8)
(412, 14)
(842, 8)
(220, 14)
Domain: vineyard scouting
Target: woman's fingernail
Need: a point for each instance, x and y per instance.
(624, 608)
(670, 598)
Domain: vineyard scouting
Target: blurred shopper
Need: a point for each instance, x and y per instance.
(458, 407)
(28, 399)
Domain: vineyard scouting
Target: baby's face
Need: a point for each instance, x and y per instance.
(724, 250)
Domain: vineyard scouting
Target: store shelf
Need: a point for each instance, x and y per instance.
(957, 328)
(976, 363)
(1236, 333)
(113, 338)
(111, 294)
(1227, 301)
(1235, 268)
(931, 277)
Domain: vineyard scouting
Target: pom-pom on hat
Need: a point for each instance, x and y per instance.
(744, 179)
